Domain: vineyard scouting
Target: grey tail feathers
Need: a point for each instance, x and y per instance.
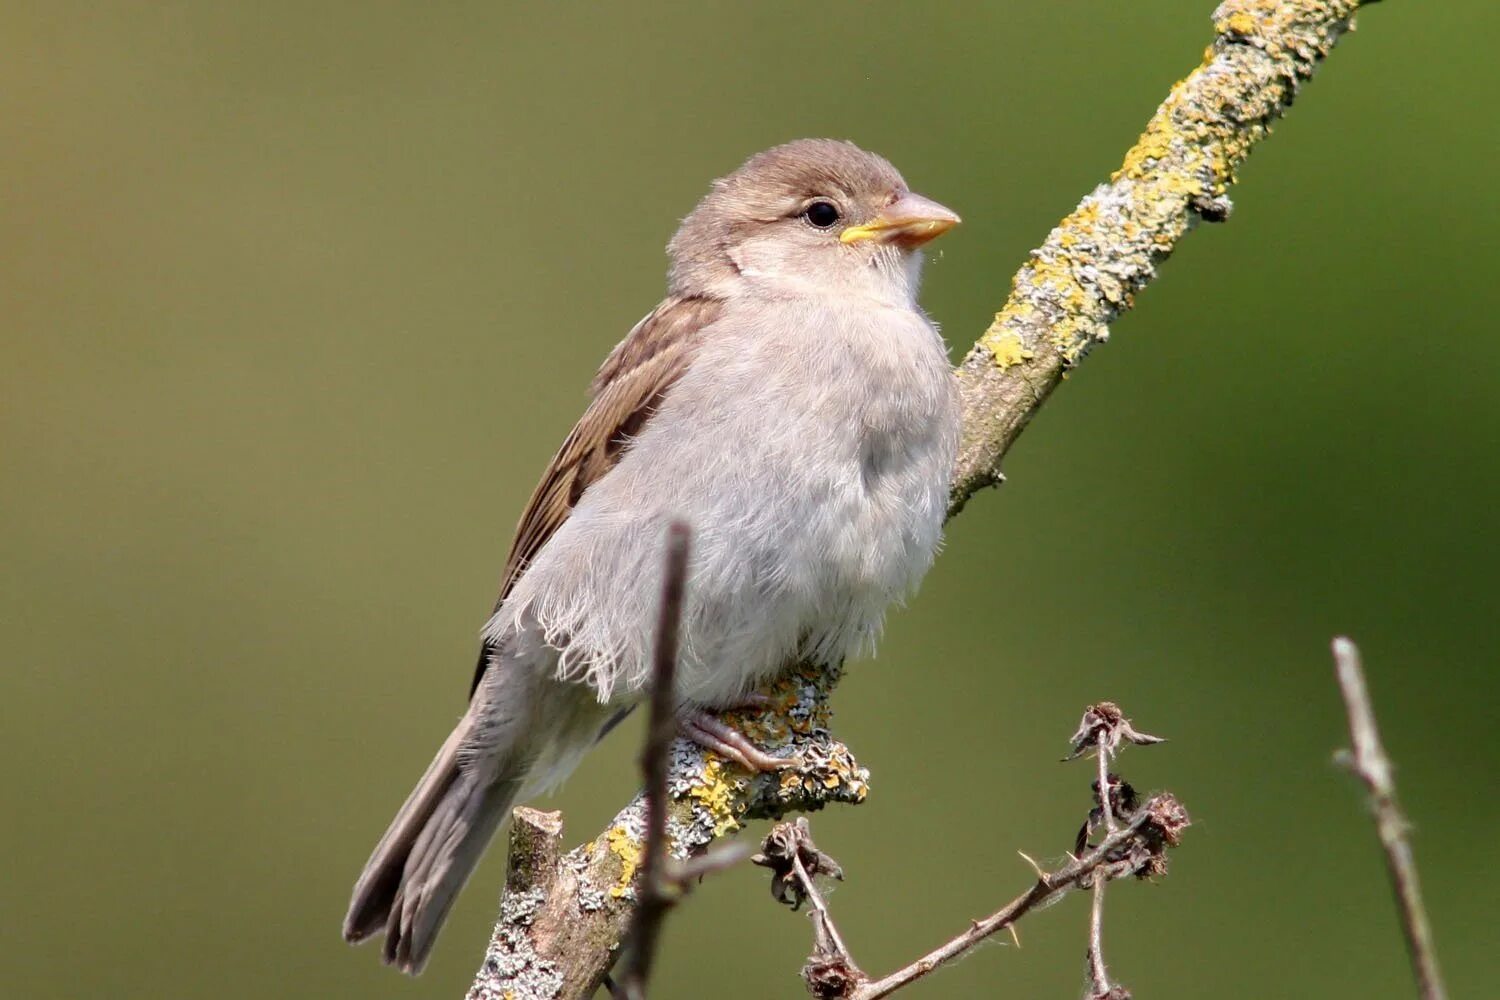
(416, 871)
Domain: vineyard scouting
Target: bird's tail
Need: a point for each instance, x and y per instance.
(434, 843)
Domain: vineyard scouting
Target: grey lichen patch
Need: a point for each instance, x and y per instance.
(520, 908)
(512, 968)
(591, 896)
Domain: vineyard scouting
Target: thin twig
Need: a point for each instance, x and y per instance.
(1098, 971)
(1150, 830)
(1370, 764)
(661, 728)
(1104, 791)
(1136, 848)
(827, 940)
(689, 870)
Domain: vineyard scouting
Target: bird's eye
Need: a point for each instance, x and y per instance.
(822, 214)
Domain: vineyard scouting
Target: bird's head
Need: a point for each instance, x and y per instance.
(815, 216)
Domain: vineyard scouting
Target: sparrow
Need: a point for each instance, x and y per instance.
(789, 401)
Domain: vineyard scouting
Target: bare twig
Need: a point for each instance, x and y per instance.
(1370, 764)
(1099, 988)
(1136, 848)
(660, 730)
(827, 940)
(1104, 804)
(1135, 844)
(1098, 971)
(1087, 272)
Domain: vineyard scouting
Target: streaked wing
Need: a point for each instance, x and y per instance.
(627, 390)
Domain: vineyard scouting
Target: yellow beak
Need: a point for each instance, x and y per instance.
(907, 222)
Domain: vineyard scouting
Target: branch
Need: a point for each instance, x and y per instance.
(1099, 258)
(1088, 271)
(1370, 764)
(1137, 848)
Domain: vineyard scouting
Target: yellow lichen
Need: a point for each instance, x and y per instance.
(625, 847)
(1006, 346)
(716, 794)
(1240, 23)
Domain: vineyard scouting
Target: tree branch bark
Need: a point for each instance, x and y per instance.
(560, 927)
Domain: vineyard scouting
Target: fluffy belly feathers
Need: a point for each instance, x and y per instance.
(813, 471)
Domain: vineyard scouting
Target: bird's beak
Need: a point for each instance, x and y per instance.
(907, 222)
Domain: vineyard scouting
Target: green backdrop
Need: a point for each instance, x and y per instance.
(296, 300)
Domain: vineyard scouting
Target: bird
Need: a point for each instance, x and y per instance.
(792, 404)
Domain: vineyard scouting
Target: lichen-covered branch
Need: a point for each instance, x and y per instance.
(1098, 259)
(559, 932)
(561, 925)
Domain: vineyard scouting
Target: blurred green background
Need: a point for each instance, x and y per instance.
(296, 300)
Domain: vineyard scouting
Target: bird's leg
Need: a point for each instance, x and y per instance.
(712, 733)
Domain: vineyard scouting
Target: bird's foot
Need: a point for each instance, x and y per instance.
(712, 733)
(751, 700)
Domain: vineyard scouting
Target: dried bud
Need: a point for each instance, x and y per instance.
(1105, 726)
(831, 976)
(786, 844)
(1144, 855)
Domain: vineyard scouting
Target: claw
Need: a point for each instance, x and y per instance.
(713, 733)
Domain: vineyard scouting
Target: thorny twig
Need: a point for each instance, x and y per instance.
(1370, 764)
(1135, 844)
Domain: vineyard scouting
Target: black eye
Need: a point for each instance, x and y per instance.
(822, 214)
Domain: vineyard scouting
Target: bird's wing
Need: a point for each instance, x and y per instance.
(627, 390)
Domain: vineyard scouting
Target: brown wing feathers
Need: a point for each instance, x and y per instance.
(627, 390)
